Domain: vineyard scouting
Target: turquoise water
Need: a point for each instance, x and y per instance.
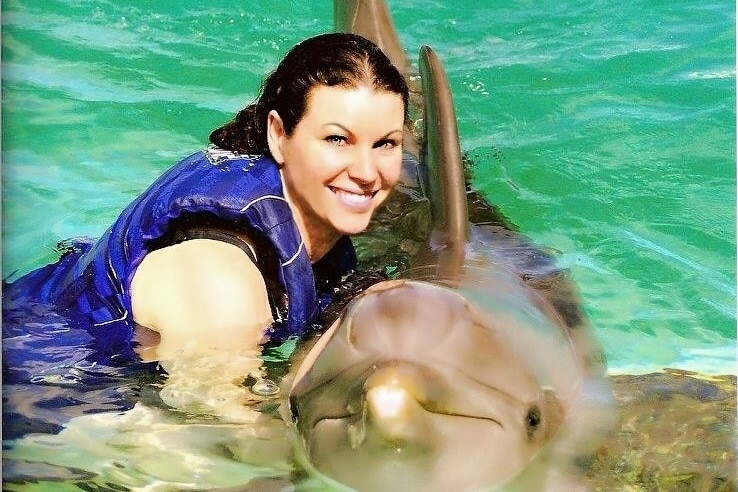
(605, 132)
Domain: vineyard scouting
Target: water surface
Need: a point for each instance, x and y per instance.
(604, 132)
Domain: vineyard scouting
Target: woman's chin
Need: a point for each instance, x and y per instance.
(353, 225)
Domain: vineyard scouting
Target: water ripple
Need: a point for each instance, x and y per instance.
(710, 276)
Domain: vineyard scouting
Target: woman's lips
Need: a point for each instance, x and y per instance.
(357, 202)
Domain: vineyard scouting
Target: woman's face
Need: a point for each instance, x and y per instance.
(343, 158)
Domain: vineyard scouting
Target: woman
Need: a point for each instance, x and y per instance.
(243, 243)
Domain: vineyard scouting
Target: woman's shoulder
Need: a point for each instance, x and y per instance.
(200, 288)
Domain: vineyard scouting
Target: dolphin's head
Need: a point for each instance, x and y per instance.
(416, 388)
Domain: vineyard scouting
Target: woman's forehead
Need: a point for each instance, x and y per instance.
(321, 94)
(337, 103)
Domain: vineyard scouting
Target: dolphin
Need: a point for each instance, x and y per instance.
(464, 228)
(371, 19)
(458, 374)
(417, 387)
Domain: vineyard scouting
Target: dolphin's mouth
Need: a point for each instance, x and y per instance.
(343, 398)
(428, 408)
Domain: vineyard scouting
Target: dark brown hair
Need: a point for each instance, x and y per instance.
(335, 59)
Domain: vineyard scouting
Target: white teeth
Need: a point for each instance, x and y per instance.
(359, 202)
(353, 197)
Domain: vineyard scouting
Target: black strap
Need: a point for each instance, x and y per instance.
(222, 235)
(266, 262)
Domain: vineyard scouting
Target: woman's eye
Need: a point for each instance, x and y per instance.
(386, 144)
(336, 139)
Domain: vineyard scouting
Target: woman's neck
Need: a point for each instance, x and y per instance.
(317, 241)
(317, 236)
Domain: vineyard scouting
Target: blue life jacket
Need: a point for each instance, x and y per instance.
(92, 280)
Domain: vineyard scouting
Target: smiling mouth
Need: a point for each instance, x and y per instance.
(357, 201)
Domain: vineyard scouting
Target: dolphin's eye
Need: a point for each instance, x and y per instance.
(533, 420)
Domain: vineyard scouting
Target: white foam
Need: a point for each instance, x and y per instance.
(714, 74)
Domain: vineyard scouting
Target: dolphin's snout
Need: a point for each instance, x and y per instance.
(392, 413)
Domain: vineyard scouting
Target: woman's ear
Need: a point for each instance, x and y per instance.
(275, 134)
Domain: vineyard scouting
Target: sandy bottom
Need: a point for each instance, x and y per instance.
(675, 431)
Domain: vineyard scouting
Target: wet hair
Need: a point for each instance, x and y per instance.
(335, 59)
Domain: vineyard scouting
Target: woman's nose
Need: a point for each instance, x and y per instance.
(362, 167)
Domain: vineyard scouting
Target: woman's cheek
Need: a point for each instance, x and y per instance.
(334, 159)
(392, 168)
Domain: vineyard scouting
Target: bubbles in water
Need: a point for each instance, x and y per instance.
(265, 387)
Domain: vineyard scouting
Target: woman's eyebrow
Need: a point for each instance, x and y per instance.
(386, 135)
(339, 125)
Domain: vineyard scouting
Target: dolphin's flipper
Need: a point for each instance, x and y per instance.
(371, 19)
(445, 185)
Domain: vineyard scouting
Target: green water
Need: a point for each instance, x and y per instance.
(604, 131)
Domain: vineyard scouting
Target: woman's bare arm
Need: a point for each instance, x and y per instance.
(200, 296)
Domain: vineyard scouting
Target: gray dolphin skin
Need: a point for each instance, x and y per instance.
(475, 365)
(417, 388)
(371, 19)
(444, 169)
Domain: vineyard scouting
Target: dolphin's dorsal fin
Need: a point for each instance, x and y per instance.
(371, 19)
(445, 185)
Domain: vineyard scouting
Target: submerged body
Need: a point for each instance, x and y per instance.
(212, 194)
(234, 248)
